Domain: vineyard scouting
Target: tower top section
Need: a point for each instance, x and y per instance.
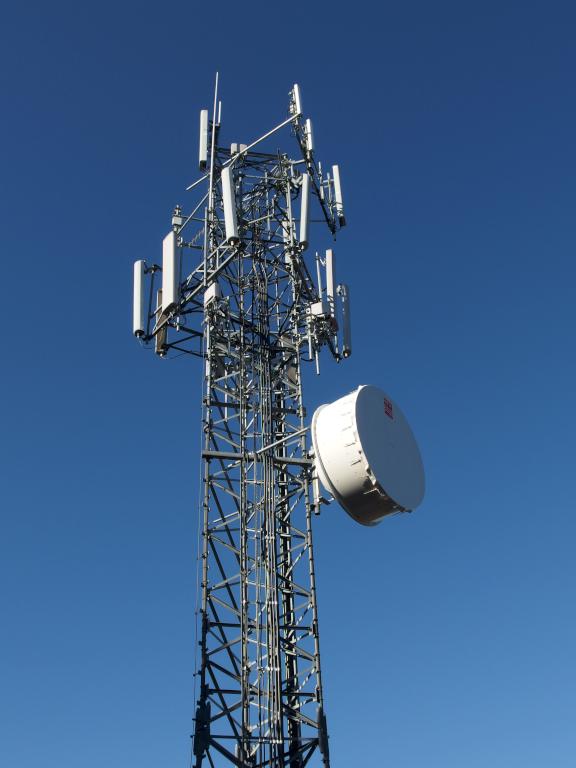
(249, 203)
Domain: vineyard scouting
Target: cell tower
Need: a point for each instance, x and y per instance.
(236, 289)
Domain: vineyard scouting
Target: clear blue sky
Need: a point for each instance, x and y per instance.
(448, 636)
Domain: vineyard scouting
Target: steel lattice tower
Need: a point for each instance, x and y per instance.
(236, 291)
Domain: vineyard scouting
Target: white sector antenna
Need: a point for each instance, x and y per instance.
(309, 136)
(338, 195)
(170, 272)
(330, 281)
(229, 201)
(296, 100)
(139, 311)
(304, 204)
(366, 455)
(203, 145)
(344, 293)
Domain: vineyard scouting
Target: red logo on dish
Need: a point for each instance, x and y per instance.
(388, 408)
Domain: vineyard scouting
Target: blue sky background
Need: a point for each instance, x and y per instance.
(448, 636)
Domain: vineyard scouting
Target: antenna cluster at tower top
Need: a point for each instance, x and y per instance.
(251, 203)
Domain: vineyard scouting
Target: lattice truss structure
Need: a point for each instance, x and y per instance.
(237, 263)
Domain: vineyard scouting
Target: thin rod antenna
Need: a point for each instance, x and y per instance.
(212, 147)
(195, 183)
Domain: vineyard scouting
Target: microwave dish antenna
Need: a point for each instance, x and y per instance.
(366, 455)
